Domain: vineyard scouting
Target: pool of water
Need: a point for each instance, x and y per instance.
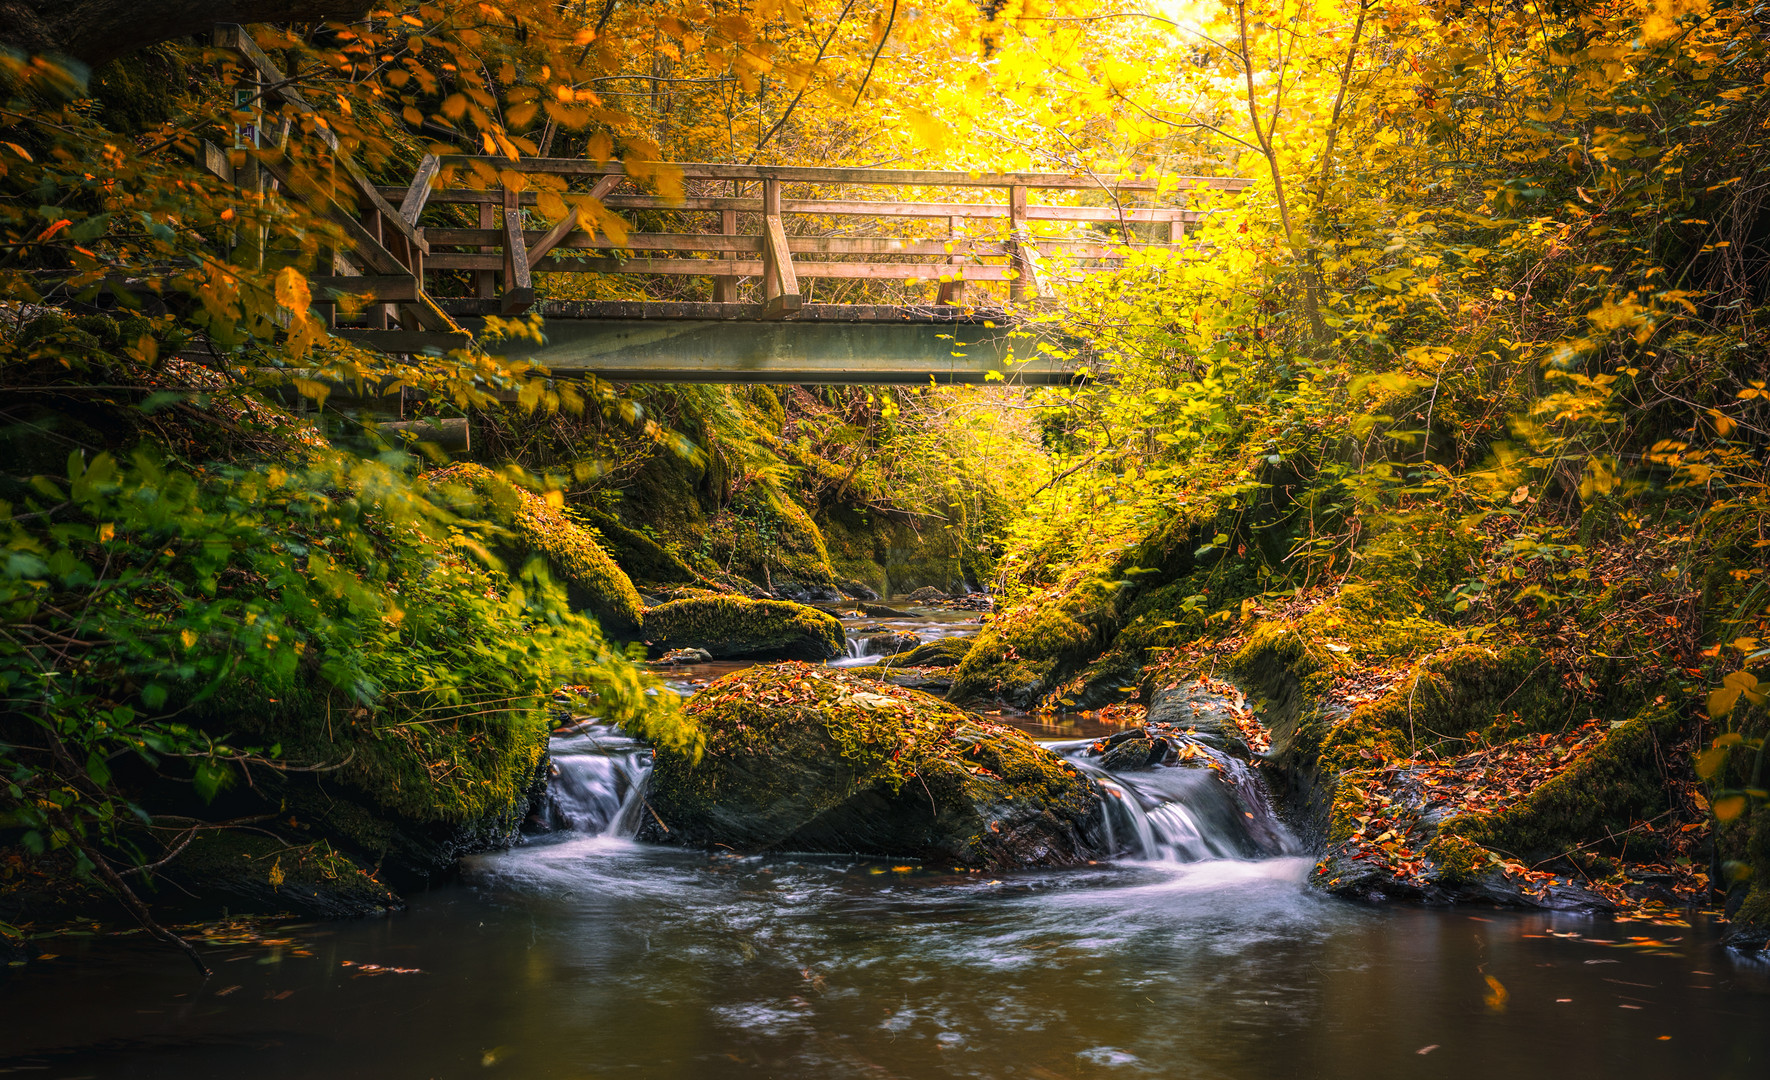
(595, 957)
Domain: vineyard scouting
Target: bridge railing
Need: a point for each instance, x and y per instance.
(495, 223)
(782, 225)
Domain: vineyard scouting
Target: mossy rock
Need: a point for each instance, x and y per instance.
(802, 758)
(643, 559)
(941, 652)
(1602, 795)
(733, 628)
(1023, 654)
(256, 873)
(593, 582)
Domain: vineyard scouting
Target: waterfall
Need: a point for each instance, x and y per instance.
(598, 783)
(1217, 809)
(1212, 807)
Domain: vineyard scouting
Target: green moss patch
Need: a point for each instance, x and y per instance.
(593, 582)
(733, 628)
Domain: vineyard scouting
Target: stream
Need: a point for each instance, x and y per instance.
(1196, 952)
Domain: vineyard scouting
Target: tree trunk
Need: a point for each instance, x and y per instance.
(94, 31)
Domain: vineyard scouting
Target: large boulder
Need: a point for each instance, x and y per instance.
(733, 628)
(802, 758)
(593, 582)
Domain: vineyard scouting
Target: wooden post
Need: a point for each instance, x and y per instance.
(484, 284)
(519, 291)
(953, 292)
(1017, 236)
(780, 285)
(1176, 232)
(725, 288)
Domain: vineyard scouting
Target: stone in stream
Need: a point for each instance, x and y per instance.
(886, 643)
(926, 593)
(941, 652)
(732, 628)
(803, 758)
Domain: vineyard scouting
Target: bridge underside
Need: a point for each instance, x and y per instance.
(732, 343)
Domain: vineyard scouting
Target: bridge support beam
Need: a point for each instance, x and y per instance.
(786, 351)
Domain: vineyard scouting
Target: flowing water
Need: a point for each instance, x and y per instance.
(1197, 952)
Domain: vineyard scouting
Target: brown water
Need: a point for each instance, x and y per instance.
(594, 957)
(1199, 953)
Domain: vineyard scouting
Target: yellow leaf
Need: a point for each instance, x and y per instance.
(1497, 995)
(106, 531)
(189, 637)
(292, 292)
(1729, 807)
(1709, 762)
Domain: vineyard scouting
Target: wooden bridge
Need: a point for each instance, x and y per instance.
(768, 273)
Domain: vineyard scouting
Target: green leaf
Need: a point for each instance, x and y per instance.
(210, 778)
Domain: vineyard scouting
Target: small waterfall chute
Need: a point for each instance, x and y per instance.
(598, 783)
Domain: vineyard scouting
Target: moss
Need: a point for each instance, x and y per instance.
(1024, 653)
(1600, 797)
(259, 873)
(941, 652)
(1459, 860)
(888, 554)
(733, 628)
(593, 582)
(1469, 690)
(807, 758)
(643, 559)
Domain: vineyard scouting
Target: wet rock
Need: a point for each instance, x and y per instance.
(807, 593)
(1137, 752)
(854, 590)
(732, 628)
(252, 872)
(886, 643)
(883, 611)
(802, 758)
(686, 656)
(941, 652)
(927, 594)
(1207, 711)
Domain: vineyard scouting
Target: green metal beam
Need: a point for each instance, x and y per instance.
(903, 350)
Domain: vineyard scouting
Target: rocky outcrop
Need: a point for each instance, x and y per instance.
(733, 628)
(593, 582)
(801, 758)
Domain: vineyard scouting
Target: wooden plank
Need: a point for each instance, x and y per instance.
(952, 291)
(215, 161)
(419, 192)
(390, 288)
(406, 341)
(725, 289)
(834, 175)
(553, 264)
(840, 208)
(799, 245)
(519, 289)
(550, 239)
